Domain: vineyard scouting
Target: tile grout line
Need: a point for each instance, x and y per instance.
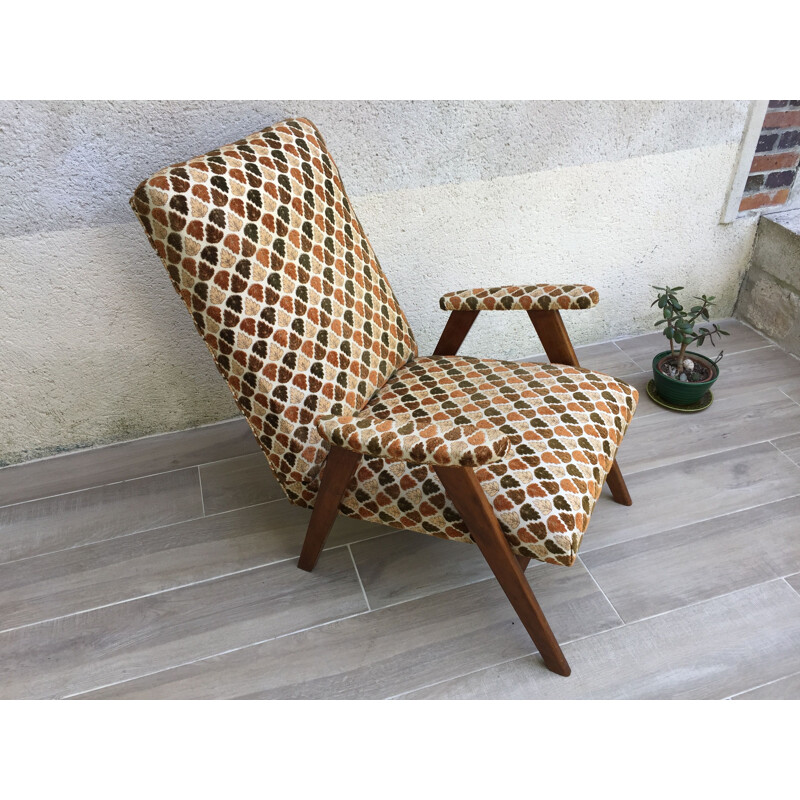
(591, 635)
(600, 589)
(693, 522)
(762, 685)
(533, 652)
(634, 471)
(783, 391)
(126, 480)
(360, 583)
(175, 588)
(215, 655)
(135, 533)
(731, 355)
(200, 482)
(786, 581)
(785, 455)
(191, 583)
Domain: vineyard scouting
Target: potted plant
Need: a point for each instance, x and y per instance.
(682, 377)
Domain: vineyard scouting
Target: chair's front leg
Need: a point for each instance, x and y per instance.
(455, 331)
(556, 342)
(464, 489)
(336, 474)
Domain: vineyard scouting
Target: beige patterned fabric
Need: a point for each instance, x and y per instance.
(262, 244)
(403, 438)
(563, 424)
(537, 297)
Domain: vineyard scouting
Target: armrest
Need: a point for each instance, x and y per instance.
(537, 297)
(416, 441)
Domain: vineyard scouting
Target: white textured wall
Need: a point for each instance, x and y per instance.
(97, 347)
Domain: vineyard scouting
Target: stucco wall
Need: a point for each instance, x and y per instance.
(97, 347)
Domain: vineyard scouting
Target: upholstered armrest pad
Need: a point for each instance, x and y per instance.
(537, 297)
(416, 441)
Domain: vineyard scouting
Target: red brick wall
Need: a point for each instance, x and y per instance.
(774, 167)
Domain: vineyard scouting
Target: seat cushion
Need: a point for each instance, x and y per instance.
(563, 424)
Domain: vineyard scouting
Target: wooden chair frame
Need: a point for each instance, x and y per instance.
(464, 490)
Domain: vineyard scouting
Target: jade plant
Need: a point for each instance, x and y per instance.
(680, 328)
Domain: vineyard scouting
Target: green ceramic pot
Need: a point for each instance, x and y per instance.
(682, 393)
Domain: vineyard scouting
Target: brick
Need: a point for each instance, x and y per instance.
(782, 119)
(778, 103)
(754, 183)
(789, 139)
(794, 103)
(776, 161)
(777, 179)
(761, 200)
(766, 142)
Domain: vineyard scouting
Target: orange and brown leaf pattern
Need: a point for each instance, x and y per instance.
(538, 297)
(261, 242)
(263, 246)
(403, 438)
(563, 425)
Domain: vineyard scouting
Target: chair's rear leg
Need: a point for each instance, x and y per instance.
(556, 342)
(336, 474)
(468, 497)
(455, 331)
(619, 491)
(523, 562)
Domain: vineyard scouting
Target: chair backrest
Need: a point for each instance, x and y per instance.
(261, 242)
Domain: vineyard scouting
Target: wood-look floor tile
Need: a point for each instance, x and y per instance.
(692, 490)
(674, 568)
(119, 462)
(92, 515)
(642, 349)
(793, 392)
(785, 689)
(743, 372)
(238, 482)
(604, 357)
(742, 419)
(407, 564)
(392, 650)
(790, 445)
(710, 650)
(85, 651)
(82, 578)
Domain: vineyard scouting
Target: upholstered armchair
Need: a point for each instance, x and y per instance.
(263, 246)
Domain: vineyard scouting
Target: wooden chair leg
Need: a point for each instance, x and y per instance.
(523, 562)
(336, 474)
(556, 342)
(619, 491)
(468, 497)
(455, 331)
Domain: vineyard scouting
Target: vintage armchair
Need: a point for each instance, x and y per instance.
(262, 243)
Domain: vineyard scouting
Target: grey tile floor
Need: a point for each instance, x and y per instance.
(166, 568)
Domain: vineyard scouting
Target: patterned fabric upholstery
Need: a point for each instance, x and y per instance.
(539, 297)
(563, 424)
(260, 241)
(426, 441)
